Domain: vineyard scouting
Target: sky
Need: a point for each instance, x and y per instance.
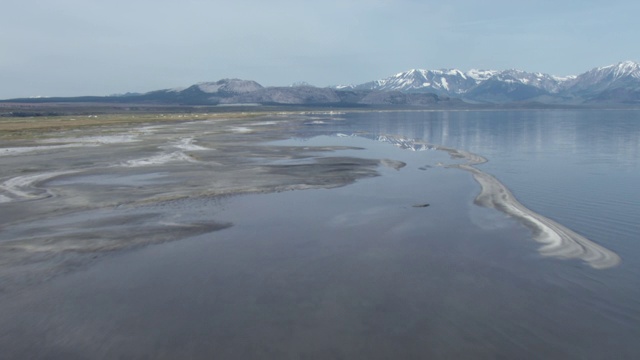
(102, 47)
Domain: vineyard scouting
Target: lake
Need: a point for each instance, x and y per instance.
(360, 259)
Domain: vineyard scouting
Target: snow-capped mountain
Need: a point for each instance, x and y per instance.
(454, 82)
(515, 85)
(443, 81)
(546, 82)
(624, 74)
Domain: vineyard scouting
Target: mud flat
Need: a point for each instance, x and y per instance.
(71, 196)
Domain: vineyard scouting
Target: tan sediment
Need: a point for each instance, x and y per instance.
(556, 239)
(40, 126)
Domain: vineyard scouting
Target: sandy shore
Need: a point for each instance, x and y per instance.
(558, 240)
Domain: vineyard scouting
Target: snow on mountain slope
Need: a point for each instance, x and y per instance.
(454, 82)
(625, 68)
(481, 75)
(443, 81)
(546, 82)
(623, 74)
(506, 83)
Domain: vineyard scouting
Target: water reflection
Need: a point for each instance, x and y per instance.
(579, 168)
(610, 135)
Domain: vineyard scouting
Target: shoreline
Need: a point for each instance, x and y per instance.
(162, 165)
(92, 191)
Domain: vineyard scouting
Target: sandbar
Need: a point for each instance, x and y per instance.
(556, 239)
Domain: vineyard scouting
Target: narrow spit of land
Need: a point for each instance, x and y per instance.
(558, 240)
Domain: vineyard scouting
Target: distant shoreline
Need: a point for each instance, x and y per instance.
(29, 120)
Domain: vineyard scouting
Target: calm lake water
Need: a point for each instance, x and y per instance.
(359, 272)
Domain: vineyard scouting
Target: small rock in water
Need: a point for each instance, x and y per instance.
(420, 205)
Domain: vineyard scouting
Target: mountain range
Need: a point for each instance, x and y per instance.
(614, 83)
(618, 83)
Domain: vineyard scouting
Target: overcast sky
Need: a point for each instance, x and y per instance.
(101, 47)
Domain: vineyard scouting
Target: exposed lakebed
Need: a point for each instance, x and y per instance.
(353, 266)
